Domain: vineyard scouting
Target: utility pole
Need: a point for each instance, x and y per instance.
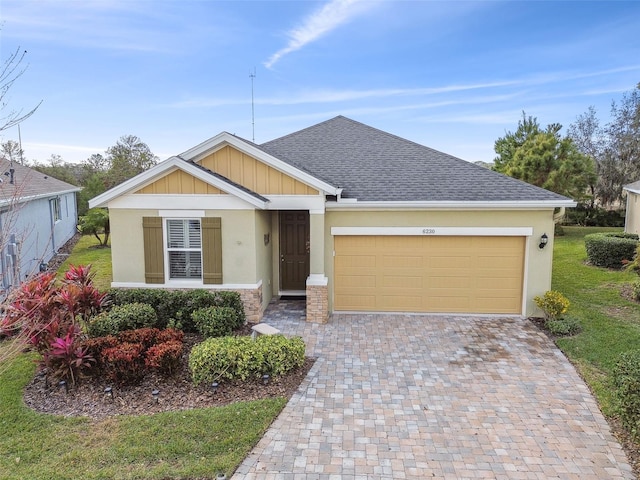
(253, 117)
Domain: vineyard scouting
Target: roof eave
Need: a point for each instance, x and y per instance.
(29, 198)
(452, 205)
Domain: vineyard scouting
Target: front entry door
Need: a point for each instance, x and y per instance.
(294, 250)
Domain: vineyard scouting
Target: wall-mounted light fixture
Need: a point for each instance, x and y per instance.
(543, 241)
(266, 238)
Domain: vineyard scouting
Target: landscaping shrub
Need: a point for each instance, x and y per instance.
(175, 307)
(127, 356)
(49, 316)
(563, 326)
(241, 357)
(215, 321)
(610, 250)
(594, 217)
(165, 356)
(124, 363)
(129, 316)
(626, 380)
(553, 304)
(635, 290)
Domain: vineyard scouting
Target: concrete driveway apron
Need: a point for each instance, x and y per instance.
(415, 397)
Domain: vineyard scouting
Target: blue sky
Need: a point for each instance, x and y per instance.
(451, 75)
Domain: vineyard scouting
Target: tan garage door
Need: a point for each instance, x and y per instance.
(429, 274)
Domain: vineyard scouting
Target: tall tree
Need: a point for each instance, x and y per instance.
(11, 151)
(615, 147)
(129, 157)
(544, 158)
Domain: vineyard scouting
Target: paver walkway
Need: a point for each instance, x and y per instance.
(415, 397)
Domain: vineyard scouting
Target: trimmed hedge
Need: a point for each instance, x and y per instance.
(610, 250)
(626, 379)
(175, 307)
(130, 316)
(215, 321)
(242, 357)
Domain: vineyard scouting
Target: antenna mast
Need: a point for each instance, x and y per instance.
(253, 118)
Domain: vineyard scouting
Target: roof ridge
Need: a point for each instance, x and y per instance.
(304, 129)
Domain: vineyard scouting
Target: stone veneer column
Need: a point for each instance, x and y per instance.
(317, 299)
(252, 300)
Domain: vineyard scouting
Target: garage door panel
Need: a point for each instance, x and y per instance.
(357, 281)
(405, 303)
(429, 274)
(403, 282)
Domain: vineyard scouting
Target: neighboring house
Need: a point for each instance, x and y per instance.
(354, 218)
(37, 216)
(632, 219)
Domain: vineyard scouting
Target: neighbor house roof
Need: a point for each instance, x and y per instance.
(375, 166)
(633, 187)
(28, 184)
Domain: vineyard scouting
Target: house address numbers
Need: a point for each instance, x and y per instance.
(428, 231)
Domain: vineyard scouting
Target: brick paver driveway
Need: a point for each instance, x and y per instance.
(400, 396)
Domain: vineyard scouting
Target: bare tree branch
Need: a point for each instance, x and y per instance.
(12, 69)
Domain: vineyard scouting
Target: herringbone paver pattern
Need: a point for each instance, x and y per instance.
(415, 397)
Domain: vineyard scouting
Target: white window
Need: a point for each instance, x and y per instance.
(55, 209)
(184, 249)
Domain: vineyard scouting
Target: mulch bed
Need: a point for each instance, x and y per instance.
(88, 398)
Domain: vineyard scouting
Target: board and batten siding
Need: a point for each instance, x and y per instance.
(179, 183)
(252, 174)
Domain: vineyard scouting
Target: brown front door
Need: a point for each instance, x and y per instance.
(294, 250)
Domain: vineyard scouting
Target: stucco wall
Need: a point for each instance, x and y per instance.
(537, 262)
(238, 245)
(264, 254)
(632, 223)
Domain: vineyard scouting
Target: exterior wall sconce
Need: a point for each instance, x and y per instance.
(267, 237)
(543, 241)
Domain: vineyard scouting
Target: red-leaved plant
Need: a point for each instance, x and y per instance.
(66, 359)
(49, 316)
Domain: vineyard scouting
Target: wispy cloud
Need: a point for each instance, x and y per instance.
(319, 23)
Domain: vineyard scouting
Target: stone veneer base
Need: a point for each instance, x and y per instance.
(317, 303)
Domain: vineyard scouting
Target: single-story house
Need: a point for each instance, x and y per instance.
(38, 215)
(632, 218)
(354, 218)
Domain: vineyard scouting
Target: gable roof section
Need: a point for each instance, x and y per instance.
(190, 167)
(297, 172)
(29, 184)
(371, 165)
(633, 187)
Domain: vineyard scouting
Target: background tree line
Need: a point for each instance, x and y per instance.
(591, 163)
(98, 173)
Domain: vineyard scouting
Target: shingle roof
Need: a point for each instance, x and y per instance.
(373, 165)
(28, 184)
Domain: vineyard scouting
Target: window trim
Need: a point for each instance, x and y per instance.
(56, 210)
(197, 282)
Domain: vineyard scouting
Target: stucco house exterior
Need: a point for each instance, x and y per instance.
(38, 215)
(352, 217)
(632, 218)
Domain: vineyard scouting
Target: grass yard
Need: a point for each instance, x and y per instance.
(611, 324)
(186, 444)
(85, 253)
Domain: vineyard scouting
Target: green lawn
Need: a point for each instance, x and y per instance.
(611, 324)
(186, 444)
(85, 253)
